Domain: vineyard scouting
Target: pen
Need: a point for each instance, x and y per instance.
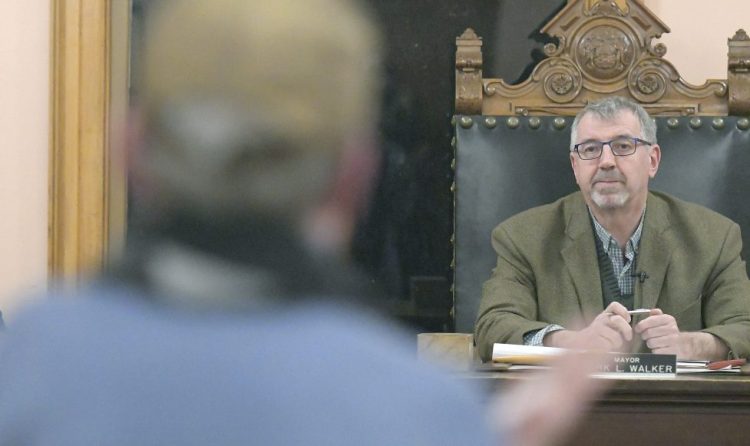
(718, 365)
(639, 311)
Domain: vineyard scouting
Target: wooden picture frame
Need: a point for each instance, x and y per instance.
(87, 193)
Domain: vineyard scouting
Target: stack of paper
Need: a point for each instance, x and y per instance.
(524, 354)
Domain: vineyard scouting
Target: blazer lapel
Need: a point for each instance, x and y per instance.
(579, 256)
(654, 253)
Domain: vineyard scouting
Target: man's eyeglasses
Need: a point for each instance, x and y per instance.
(622, 146)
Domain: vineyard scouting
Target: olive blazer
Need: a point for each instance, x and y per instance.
(547, 272)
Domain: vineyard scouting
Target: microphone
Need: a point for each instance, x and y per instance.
(642, 276)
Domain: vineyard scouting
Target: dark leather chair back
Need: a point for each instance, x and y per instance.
(506, 165)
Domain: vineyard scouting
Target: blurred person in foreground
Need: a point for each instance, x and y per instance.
(251, 154)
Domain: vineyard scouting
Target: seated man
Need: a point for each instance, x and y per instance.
(588, 258)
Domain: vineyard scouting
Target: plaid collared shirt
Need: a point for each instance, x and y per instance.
(622, 264)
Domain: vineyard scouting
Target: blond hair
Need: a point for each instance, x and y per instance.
(248, 103)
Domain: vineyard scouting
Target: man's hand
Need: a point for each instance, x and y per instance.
(661, 334)
(609, 331)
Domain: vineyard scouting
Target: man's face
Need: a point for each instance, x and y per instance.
(612, 182)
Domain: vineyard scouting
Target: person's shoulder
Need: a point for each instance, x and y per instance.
(684, 212)
(362, 339)
(357, 333)
(346, 347)
(543, 218)
(67, 315)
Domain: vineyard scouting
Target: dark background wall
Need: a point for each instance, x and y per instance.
(404, 242)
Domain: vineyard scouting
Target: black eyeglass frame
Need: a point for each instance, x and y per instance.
(635, 140)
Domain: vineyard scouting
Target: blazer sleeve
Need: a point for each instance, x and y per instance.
(508, 308)
(726, 304)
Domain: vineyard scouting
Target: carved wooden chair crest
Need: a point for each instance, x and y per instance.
(605, 48)
(512, 140)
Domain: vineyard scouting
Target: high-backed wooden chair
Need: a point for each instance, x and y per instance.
(511, 141)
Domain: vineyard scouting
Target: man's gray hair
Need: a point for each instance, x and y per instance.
(608, 108)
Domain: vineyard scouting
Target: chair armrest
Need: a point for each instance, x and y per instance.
(454, 351)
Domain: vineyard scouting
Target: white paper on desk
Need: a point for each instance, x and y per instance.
(503, 350)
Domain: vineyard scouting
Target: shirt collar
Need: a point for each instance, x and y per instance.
(606, 238)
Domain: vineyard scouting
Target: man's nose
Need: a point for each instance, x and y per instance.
(607, 159)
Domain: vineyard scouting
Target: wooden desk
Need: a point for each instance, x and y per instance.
(687, 410)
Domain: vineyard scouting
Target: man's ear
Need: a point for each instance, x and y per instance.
(654, 160)
(330, 227)
(355, 174)
(140, 185)
(133, 137)
(573, 164)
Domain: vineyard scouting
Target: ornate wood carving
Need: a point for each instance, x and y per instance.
(738, 74)
(469, 73)
(604, 47)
